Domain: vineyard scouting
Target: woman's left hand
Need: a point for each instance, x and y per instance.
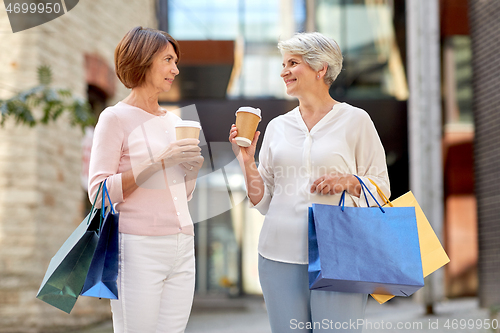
(336, 183)
(192, 168)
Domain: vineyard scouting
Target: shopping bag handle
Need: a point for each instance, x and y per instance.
(363, 186)
(93, 204)
(342, 199)
(105, 194)
(381, 194)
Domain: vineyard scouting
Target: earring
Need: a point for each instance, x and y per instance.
(317, 76)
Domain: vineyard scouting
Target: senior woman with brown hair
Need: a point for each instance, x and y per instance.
(308, 155)
(150, 177)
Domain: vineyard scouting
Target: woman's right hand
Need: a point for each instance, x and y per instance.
(243, 154)
(180, 151)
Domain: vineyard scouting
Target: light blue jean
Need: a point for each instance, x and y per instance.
(292, 307)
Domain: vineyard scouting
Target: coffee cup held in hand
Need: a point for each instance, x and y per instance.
(187, 129)
(247, 120)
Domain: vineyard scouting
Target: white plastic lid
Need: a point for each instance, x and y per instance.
(250, 109)
(188, 123)
(243, 142)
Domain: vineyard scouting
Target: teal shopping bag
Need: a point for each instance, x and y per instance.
(68, 269)
(364, 250)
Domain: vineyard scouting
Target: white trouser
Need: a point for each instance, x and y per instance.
(155, 284)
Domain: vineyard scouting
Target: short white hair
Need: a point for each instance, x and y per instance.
(317, 50)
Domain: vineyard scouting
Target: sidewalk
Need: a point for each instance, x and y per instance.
(404, 315)
(248, 315)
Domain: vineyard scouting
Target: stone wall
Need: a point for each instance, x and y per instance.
(485, 29)
(41, 198)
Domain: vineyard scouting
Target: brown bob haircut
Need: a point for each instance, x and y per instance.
(136, 51)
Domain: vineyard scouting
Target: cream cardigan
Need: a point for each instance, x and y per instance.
(292, 158)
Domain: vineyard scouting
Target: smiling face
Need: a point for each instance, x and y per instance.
(299, 77)
(163, 70)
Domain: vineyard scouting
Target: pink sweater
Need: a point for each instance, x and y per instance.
(125, 136)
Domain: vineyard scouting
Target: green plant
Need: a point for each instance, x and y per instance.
(52, 101)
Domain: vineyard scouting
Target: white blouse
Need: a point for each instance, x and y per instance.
(292, 158)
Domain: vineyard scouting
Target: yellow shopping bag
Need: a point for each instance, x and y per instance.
(431, 251)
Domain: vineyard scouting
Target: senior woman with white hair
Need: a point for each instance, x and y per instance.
(308, 155)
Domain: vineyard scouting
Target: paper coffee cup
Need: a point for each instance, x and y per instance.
(187, 129)
(247, 120)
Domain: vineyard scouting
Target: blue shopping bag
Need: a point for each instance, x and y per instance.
(103, 271)
(364, 250)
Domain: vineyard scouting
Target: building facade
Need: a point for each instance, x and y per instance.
(41, 195)
(485, 29)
